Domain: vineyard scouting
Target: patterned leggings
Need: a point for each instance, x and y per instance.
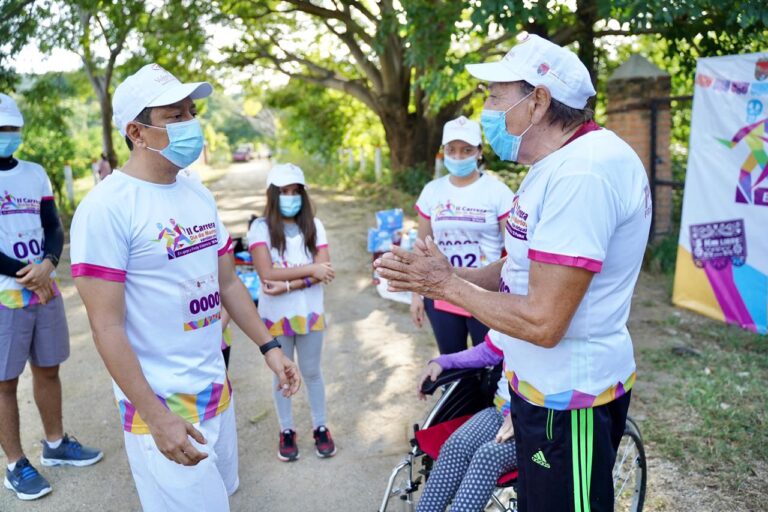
(469, 465)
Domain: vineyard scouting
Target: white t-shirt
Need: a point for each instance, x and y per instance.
(22, 190)
(586, 205)
(164, 243)
(300, 311)
(465, 220)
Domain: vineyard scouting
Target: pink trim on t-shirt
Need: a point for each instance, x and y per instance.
(568, 261)
(256, 244)
(496, 350)
(47, 198)
(421, 212)
(107, 274)
(224, 250)
(323, 246)
(504, 215)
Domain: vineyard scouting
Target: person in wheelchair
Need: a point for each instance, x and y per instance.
(480, 451)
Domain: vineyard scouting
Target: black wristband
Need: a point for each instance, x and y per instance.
(54, 259)
(270, 345)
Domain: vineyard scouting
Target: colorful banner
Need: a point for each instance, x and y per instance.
(722, 258)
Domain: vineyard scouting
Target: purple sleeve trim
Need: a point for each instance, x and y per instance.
(478, 356)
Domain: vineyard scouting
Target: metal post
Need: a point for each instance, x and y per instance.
(377, 163)
(69, 184)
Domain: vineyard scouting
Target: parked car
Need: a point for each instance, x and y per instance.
(243, 153)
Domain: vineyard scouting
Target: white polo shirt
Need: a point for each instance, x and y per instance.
(586, 205)
(164, 243)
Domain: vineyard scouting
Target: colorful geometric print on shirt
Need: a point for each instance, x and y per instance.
(163, 242)
(300, 311)
(584, 206)
(22, 190)
(465, 220)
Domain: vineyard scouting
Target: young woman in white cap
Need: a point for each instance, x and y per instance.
(290, 253)
(464, 212)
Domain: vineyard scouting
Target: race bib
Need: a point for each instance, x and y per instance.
(26, 246)
(461, 253)
(201, 302)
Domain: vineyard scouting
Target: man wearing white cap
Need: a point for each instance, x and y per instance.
(465, 212)
(560, 300)
(33, 324)
(150, 260)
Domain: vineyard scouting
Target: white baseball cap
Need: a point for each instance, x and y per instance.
(151, 86)
(541, 62)
(10, 115)
(464, 129)
(282, 175)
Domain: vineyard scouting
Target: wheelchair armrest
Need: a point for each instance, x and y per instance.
(449, 376)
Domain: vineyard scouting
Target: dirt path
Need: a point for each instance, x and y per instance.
(371, 359)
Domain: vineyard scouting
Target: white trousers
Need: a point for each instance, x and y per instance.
(165, 486)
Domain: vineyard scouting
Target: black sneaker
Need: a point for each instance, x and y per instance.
(324, 445)
(288, 450)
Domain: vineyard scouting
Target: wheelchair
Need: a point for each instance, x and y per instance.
(464, 393)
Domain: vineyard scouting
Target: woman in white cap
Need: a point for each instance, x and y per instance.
(464, 212)
(290, 253)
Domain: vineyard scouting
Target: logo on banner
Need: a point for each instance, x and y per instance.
(754, 170)
(718, 243)
(754, 109)
(704, 80)
(761, 69)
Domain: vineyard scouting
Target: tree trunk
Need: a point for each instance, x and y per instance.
(414, 142)
(585, 21)
(108, 146)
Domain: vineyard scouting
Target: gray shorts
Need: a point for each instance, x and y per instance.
(36, 333)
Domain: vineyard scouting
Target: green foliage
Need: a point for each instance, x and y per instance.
(413, 179)
(228, 116)
(661, 255)
(310, 118)
(712, 414)
(318, 121)
(46, 137)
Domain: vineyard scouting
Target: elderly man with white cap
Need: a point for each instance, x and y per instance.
(33, 324)
(150, 260)
(560, 300)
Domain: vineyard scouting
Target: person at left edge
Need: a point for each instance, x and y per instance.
(33, 325)
(150, 261)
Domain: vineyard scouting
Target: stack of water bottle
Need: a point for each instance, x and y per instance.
(388, 232)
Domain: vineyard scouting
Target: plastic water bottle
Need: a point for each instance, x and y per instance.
(413, 235)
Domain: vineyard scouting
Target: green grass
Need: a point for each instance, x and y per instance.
(711, 412)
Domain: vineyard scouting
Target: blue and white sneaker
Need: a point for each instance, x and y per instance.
(69, 452)
(25, 481)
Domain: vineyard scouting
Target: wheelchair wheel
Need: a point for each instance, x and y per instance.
(630, 471)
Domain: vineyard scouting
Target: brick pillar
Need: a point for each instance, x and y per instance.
(630, 90)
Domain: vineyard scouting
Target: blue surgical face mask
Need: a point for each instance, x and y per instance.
(460, 167)
(503, 143)
(290, 205)
(185, 142)
(9, 142)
